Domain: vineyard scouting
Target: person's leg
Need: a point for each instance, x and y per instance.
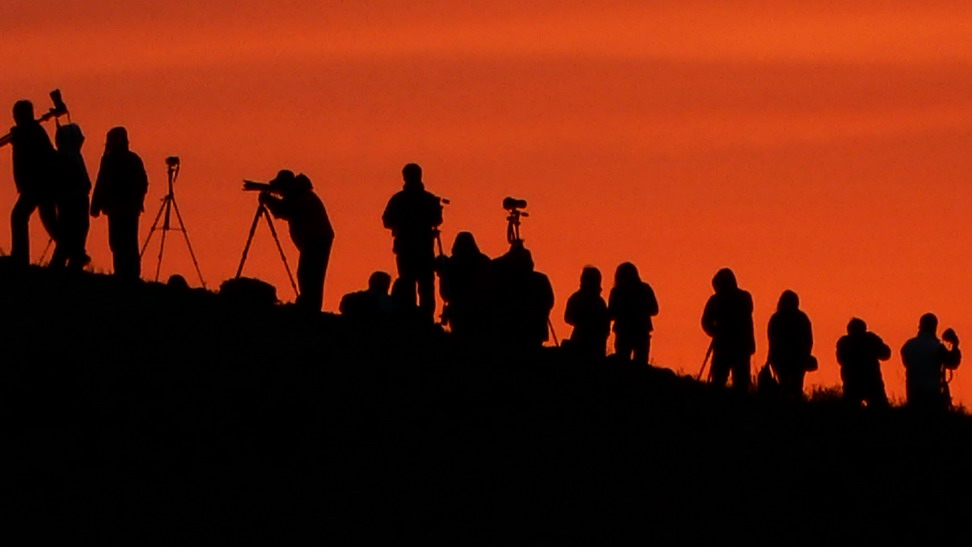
(741, 372)
(20, 228)
(406, 273)
(426, 293)
(719, 370)
(310, 279)
(123, 240)
(640, 350)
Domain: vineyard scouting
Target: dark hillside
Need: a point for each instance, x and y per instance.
(144, 414)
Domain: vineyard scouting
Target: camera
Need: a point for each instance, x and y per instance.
(254, 186)
(172, 161)
(59, 108)
(511, 203)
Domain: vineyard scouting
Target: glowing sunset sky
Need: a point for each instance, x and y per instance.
(807, 145)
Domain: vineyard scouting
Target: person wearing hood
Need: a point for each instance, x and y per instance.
(728, 319)
(521, 299)
(34, 172)
(119, 193)
(588, 313)
(413, 215)
(631, 306)
(462, 281)
(790, 344)
(310, 230)
(926, 360)
(71, 198)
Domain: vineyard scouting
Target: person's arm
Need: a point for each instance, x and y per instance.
(652, 301)
(277, 206)
(883, 351)
(951, 358)
(140, 182)
(708, 318)
(389, 218)
(570, 312)
(101, 184)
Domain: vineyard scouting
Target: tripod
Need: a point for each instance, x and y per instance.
(262, 211)
(168, 205)
(513, 225)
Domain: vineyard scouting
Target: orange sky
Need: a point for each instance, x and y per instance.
(807, 145)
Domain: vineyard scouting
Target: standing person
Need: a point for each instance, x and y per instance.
(631, 306)
(310, 230)
(71, 198)
(926, 360)
(120, 193)
(413, 215)
(790, 344)
(588, 314)
(858, 354)
(728, 319)
(462, 284)
(34, 170)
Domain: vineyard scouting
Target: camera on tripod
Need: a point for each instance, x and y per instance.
(172, 161)
(514, 206)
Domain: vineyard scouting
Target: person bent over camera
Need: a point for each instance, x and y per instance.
(310, 230)
(120, 194)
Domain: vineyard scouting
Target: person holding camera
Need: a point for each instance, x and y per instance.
(859, 354)
(119, 193)
(310, 230)
(413, 215)
(34, 162)
(926, 360)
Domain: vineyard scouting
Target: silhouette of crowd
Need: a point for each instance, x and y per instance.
(504, 301)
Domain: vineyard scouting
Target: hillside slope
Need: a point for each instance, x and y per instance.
(143, 414)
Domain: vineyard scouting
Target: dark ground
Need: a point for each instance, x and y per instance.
(140, 414)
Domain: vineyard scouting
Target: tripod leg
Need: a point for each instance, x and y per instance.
(165, 229)
(249, 240)
(273, 231)
(185, 232)
(155, 226)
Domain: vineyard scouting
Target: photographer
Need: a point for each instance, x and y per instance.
(34, 162)
(413, 215)
(926, 358)
(310, 230)
(120, 193)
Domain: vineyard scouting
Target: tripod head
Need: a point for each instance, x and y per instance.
(172, 169)
(514, 206)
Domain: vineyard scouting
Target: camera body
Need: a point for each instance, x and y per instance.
(511, 203)
(172, 161)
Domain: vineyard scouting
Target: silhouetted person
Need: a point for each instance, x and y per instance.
(521, 298)
(588, 313)
(71, 198)
(371, 306)
(926, 359)
(631, 306)
(728, 319)
(462, 285)
(858, 354)
(790, 344)
(120, 194)
(413, 215)
(310, 230)
(34, 170)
